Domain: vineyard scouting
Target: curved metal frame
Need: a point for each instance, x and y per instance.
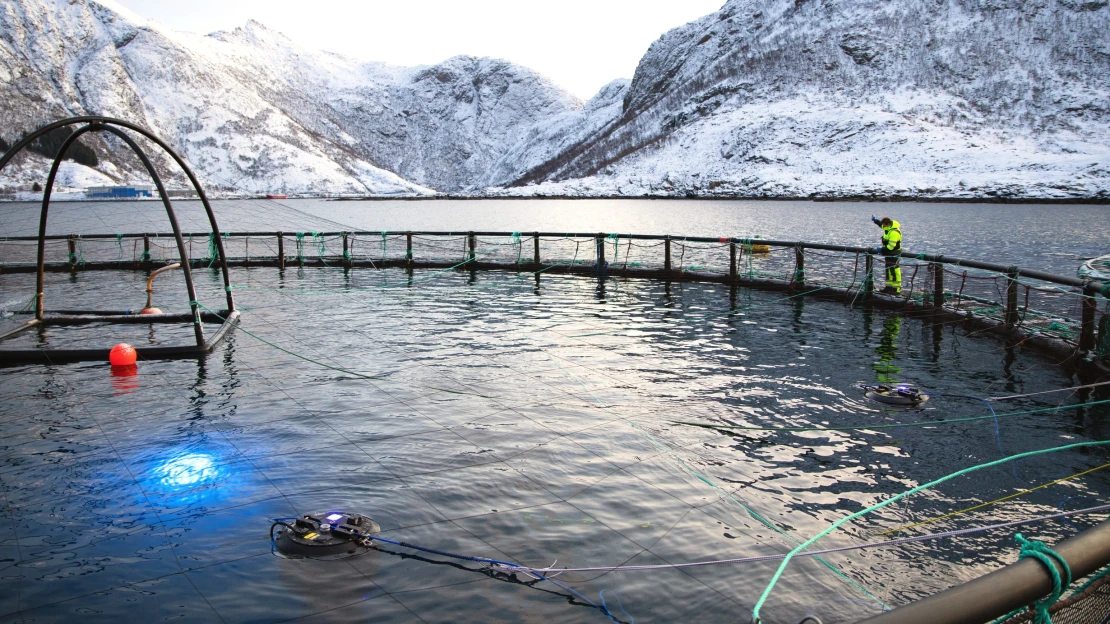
(108, 124)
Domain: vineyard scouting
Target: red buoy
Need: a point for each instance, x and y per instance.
(123, 354)
(723, 239)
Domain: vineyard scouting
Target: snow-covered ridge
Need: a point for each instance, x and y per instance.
(924, 98)
(969, 98)
(254, 112)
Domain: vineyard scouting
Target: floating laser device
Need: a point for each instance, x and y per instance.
(900, 394)
(324, 534)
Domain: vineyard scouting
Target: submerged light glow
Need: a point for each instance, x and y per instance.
(188, 469)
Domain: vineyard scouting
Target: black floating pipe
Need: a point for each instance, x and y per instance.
(111, 121)
(198, 329)
(998, 593)
(1064, 280)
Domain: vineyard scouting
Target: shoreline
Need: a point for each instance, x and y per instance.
(450, 197)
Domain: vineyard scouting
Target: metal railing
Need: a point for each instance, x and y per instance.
(996, 594)
(1034, 307)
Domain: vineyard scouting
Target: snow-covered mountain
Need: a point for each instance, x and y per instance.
(855, 97)
(254, 112)
(925, 98)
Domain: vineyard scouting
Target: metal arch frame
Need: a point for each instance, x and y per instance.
(230, 315)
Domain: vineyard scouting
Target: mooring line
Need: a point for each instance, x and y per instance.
(786, 560)
(919, 423)
(815, 553)
(995, 501)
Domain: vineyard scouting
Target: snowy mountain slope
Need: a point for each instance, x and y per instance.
(253, 112)
(926, 98)
(860, 97)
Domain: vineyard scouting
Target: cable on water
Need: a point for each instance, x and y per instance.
(368, 540)
(920, 423)
(998, 500)
(324, 364)
(817, 553)
(997, 427)
(786, 561)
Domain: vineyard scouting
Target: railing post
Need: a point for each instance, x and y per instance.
(799, 280)
(146, 249)
(1012, 296)
(1087, 329)
(536, 243)
(599, 246)
(732, 271)
(472, 242)
(408, 248)
(346, 252)
(72, 253)
(869, 276)
(938, 285)
(667, 253)
(281, 250)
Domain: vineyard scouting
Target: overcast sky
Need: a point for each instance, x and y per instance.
(580, 44)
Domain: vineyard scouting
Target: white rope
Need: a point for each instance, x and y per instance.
(811, 553)
(1018, 396)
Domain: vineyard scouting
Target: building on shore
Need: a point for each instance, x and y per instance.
(119, 192)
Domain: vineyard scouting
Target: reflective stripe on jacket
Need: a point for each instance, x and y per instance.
(892, 239)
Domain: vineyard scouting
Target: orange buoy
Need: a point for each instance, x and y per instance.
(123, 354)
(150, 311)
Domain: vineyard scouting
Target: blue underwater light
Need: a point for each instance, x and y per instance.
(187, 469)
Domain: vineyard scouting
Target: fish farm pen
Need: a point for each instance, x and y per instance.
(523, 426)
(1061, 314)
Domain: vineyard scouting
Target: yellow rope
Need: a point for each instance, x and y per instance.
(997, 500)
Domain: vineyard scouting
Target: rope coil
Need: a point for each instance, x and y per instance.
(1034, 549)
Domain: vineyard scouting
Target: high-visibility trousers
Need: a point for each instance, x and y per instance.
(894, 273)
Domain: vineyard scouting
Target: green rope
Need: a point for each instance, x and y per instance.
(346, 251)
(920, 423)
(119, 241)
(1102, 346)
(786, 561)
(321, 247)
(407, 282)
(78, 257)
(383, 245)
(516, 241)
(340, 369)
(1091, 580)
(300, 247)
(754, 514)
(706, 480)
(1041, 552)
(212, 252)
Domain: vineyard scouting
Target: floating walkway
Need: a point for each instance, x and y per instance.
(1063, 315)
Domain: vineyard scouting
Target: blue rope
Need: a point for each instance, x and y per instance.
(997, 429)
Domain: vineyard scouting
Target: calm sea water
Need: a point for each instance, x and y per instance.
(525, 419)
(1054, 238)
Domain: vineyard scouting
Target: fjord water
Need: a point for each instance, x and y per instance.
(1049, 237)
(501, 415)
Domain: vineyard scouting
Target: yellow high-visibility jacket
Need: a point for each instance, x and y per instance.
(892, 239)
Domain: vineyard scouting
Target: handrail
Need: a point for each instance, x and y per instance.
(1002, 591)
(1091, 286)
